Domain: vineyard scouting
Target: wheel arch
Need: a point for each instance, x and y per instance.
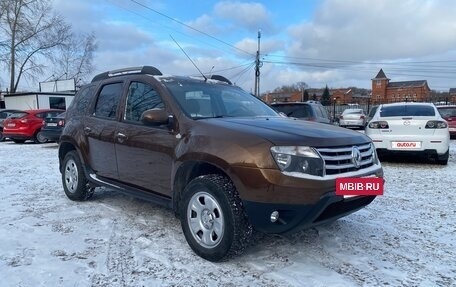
(64, 148)
(189, 170)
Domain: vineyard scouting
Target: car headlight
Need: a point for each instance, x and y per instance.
(298, 159)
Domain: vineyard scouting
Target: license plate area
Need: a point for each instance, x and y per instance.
(406, 145)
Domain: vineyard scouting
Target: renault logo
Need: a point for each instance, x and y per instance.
(356, 157)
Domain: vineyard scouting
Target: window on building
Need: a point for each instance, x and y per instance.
(57, 103)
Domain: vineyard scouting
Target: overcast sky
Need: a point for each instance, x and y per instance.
(339, 43)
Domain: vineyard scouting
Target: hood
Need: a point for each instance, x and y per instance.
(289, 131)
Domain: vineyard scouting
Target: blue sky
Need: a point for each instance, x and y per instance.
(339, 43)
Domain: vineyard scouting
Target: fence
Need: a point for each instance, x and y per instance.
(337, 109)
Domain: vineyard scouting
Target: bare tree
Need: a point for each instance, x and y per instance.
(75, 59)
(29, 34)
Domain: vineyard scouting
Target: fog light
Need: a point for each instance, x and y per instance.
(274, 216)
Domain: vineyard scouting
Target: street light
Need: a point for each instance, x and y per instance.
(334, 110)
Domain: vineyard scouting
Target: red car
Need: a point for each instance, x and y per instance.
(449, 114)
(26, 125)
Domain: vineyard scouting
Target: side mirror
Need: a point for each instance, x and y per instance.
(155, 117)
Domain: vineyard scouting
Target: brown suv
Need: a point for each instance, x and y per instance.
(223, 160)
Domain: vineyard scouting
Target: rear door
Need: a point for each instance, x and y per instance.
(100, 130)
(144, 153)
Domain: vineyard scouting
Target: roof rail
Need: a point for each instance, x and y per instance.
(132, 70)
(221, 78)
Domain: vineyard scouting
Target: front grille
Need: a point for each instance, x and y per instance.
(339, 160)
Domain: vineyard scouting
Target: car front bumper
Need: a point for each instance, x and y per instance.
(301, 203)
(293, 218)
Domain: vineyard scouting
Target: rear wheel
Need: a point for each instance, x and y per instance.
(443, 159)
(74, 181)
(39, 138)
(213, 218)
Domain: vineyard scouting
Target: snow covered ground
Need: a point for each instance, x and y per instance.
(405, 238)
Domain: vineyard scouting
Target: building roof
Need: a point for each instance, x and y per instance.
(380, 76)
(407, 84)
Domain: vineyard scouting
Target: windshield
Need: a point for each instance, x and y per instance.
(408, 111)
(210, 100)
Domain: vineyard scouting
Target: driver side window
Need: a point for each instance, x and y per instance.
(141, 97)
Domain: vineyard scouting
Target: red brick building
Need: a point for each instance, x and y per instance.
(283, 97)
(452, 96)
(384, 91)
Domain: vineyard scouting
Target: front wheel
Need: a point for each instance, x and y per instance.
(75, 183)
(213, 218)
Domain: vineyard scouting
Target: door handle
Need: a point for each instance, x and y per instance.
(121, 137)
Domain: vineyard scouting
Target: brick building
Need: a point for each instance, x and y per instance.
(452, 96)
(384, 91)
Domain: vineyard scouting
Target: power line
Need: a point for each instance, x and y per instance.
(190, 27)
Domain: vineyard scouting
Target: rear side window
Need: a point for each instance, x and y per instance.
(408, 111)
(141, 97)
(108, 100)
(81, 101)
(18, 115)
(296, 111)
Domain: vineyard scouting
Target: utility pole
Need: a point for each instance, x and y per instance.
(257, 67)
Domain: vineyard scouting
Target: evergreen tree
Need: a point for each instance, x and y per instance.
(326, 97)
(306, 96)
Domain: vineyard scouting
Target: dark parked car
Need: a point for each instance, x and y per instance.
(26, 125)
(309, 111)
(371, 114)
(4, 113)
(224, 161)
(448, 113)
(53, 127)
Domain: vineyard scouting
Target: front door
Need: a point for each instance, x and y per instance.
(144, 153)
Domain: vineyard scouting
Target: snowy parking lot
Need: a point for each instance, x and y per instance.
(405, 238)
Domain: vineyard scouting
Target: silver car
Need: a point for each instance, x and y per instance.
(352, 118)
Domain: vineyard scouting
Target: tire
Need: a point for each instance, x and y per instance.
(213, 219)
(39, 138)
(443, 159)
(74, 181)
